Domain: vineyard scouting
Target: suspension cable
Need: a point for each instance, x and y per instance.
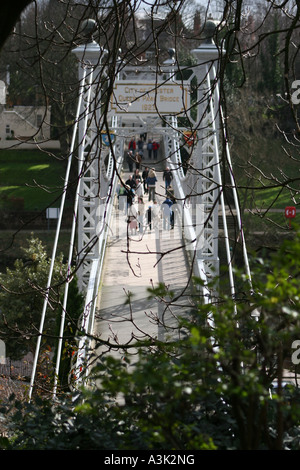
(72, 238)
(235, 195)
(67, 175)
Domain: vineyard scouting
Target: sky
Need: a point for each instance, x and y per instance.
(213, 6)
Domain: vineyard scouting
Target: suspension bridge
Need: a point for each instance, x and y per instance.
(117, 267)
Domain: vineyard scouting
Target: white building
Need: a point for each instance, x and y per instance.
(25, 125)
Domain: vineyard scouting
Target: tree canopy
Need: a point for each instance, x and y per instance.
(221, 385)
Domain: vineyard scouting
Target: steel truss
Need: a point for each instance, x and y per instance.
(200, 189)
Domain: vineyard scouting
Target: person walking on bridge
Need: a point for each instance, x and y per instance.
(132, 219)
(166, 212)
(155, 147)
(141, 214)
(139, 190)
(131, 182)
(132, 146)
(149, 148)
(167, 177)
(136, 176)
(151, 181)
(138, 159)
(144, 177)
(130, 160)
(140, 145)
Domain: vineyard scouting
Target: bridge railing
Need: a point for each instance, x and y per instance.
(173, 159)
(79, 369)
(180, 183)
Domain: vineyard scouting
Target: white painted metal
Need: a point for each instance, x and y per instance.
(71, 251)
(205, 160)
(99, 165)
(89, 159)
(80, 366)
(202, 185)
(198, 192)
(235, 197)
(54, 250)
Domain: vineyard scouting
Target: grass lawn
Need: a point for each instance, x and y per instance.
(261, 164)
(269, 199)
(30, 175)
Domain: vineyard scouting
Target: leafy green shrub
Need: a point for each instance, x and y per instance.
(22, 297)
(222, 386)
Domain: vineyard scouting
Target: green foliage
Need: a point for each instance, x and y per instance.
(221, 387)
(75, 307)
(272, 76)
(22, 296)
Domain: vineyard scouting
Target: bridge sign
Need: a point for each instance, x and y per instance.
(150, 97)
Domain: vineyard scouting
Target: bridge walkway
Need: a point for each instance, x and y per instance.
(134, 263)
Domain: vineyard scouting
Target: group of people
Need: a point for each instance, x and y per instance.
(135, 152)
(135, 188)
(152, 146)
(142, 182)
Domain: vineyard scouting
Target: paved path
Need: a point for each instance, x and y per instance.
(133, 264)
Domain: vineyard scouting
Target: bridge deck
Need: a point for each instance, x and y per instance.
(132, 265)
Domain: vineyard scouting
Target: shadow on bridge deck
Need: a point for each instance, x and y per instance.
(132, 265)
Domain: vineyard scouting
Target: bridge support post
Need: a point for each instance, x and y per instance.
(89, 155)
(207, 185)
